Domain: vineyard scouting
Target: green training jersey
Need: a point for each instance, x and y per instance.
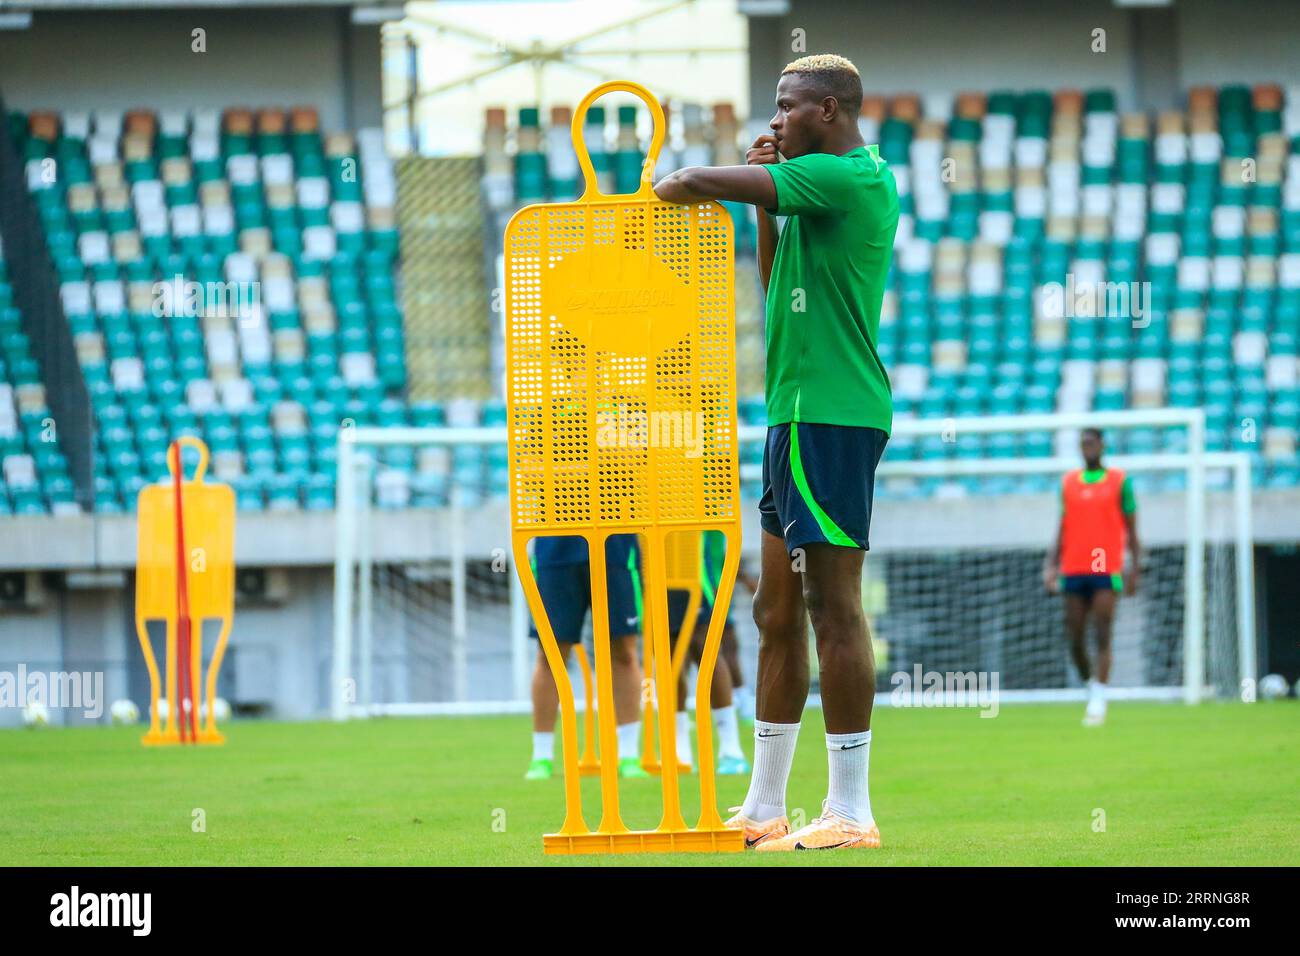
(824, 294)
(713, 552)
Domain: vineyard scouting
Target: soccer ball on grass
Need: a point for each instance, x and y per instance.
(1273, 687)
(124, 712)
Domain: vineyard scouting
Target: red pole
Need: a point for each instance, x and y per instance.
(184, 681)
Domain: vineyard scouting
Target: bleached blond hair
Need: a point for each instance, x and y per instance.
(832, 75)
(821, 63)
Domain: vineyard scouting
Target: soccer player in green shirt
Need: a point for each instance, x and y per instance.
(829, 414)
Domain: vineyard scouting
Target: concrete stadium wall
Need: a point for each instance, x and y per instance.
(946, 47)
(1224, 42)
(279, 659)
(120, 60)
(941, 48)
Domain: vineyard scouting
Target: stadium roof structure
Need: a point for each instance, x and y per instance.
(393, 8)
(583, 50)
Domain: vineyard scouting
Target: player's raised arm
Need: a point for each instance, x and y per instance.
(747, 184)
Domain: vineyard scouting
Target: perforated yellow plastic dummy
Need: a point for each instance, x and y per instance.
(620, 388)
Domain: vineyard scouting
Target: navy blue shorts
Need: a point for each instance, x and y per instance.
(818, 483)
(1086, 585)
(566, 595)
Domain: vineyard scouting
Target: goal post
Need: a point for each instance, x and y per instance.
(429, 617)
(422, 596)
(1233, 531)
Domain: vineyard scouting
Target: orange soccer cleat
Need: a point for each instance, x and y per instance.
(757, 834)
(827, 832)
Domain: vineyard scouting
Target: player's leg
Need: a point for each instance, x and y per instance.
(731, 757)
(782, 681)
(828, 512)
(546, 699)
(1103, 615)
(782, 622)
(846, 666)
(563, 596)
(847, 674)
(1104, 603)
(625, 658)
(677, 601)
(743, 695)
(1077, 601)
(624, 595)
(782, 692)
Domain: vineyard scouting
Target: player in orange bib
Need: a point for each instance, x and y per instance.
(1098, 523)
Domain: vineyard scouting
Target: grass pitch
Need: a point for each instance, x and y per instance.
(1160, 784)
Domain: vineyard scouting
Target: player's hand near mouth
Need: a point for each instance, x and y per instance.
(766, 151)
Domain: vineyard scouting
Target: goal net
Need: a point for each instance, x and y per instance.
(428, 612)
(968, 510)
(429, 617)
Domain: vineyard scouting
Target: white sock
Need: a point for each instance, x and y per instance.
(728, 728)
(543, 745)
(1096, 691)
(629, 740)
(773, 755)
(683, 737)
(849, 755)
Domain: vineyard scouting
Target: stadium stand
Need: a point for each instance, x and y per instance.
(1185, 242)
(33, 471)
(1053, 255)
(1172, 249)
(227, 275)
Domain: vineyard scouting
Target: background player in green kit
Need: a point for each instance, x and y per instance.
(829, 412)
